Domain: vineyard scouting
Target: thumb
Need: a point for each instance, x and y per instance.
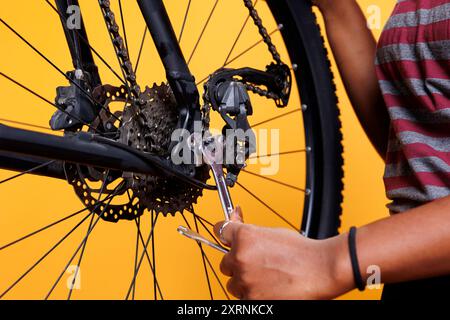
(237, 215)
(224, 230)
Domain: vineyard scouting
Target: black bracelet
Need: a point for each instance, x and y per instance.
(354, 259)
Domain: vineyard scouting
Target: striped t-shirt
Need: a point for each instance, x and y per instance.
(413, 68)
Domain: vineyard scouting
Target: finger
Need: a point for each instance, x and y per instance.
(217, 227)
(234, 288)
(226, 230)
(226, 265)
(237, 215)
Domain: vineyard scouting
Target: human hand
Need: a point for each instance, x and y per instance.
(269, 263)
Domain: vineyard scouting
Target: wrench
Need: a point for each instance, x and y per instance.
(195, 236)
(214, 158)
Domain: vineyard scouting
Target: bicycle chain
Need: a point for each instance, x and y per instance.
(272, 49)
(263, 31)
(121, 52)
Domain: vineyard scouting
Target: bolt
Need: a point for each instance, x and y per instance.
(280, 26)
(294, 66)
(304, 107)
(308, 149)
(79, 74)
(240, 159)
(308, 192)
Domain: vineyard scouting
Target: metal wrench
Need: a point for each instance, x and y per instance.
(195, 236)
(214, 157)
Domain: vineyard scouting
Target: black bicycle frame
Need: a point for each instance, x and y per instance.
(22, 150)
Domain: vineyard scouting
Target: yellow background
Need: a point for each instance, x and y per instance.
(31, 202)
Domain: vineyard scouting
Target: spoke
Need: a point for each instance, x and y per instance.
(90, 228)
(209, 232)
(217, 277)
(240, 55)
(250, 48)
(204, 263)
(43, 257)
(92, 214)
(274, 181)
(28, 171)
(80, 259)
(267, 206)
(26, 124)
(239, 35)
(184, 21)
(203, 219)
(200, 219)
(138, 225)
(56, 68)
(211, 267)
(201, 81)
(276, 118)
(45, 100)
(70, 261)
(63, 20)
(53, 224)
(153, 259)
(203, 31)
(34, 48)
(27, 89)
(149, 262)
(140, 49)
(277, 154)
(145, 245)
(202, 252)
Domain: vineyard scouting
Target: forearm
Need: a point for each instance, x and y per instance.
(353, 47)
(407, 246)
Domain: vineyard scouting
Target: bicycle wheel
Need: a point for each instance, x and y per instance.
(294, 180)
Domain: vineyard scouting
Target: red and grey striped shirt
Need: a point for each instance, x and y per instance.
(413, 68)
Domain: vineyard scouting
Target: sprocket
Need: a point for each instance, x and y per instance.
(160, 117)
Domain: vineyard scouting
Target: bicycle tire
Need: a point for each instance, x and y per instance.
(315, 79)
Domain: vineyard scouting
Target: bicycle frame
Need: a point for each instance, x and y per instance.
(22, 150)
